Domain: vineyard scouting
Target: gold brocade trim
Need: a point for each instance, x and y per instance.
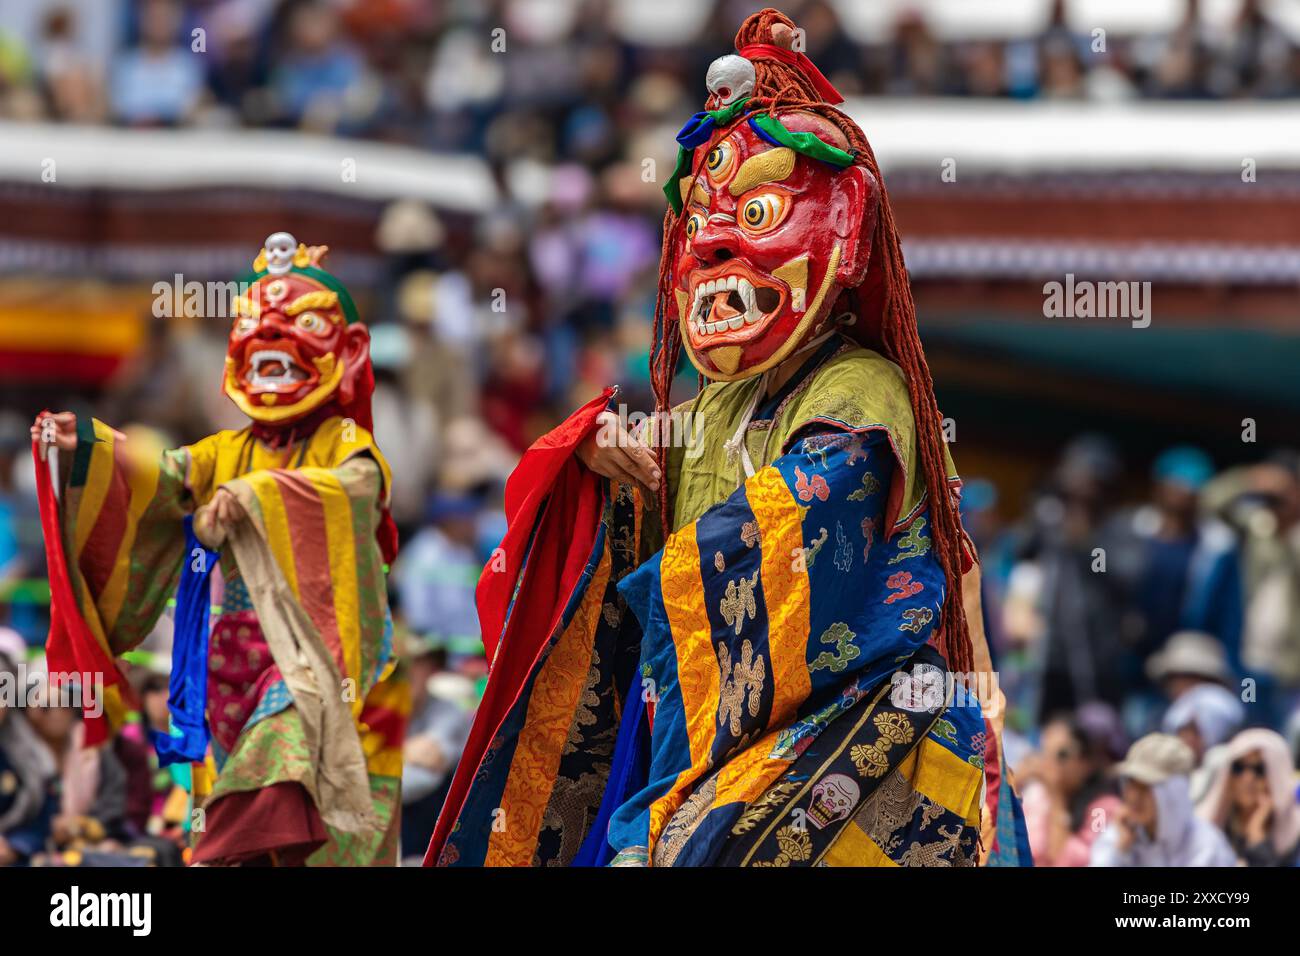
(890, 810)
(697, 666)
(787, 593)
(757, 811)
(794, 845)
(741, 680)
(551, 706)
(737, 604)
(684, 823)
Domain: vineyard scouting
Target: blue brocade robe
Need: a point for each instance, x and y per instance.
(758, 690)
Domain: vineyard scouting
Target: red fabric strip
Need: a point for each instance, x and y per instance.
(552, 492)
(388, 723)
(529, 486)
(800, 62)
(305, 516)
(70, 648)
(98, 557)
(358, 409)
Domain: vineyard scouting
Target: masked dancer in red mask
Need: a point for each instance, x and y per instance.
(736, 636)
(287, 693)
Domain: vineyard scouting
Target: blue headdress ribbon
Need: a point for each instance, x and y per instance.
(187, 698)
(696, 132)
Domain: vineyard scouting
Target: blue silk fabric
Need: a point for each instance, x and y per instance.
(683, 688)
(187, 699)
(769, 618)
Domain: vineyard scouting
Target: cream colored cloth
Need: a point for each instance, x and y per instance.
(342, 786)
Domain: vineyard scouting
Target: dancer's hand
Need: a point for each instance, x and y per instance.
(612, 453)
(214, 521)
(65, 429)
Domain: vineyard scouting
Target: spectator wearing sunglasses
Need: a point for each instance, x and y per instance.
(1156, 825)
(1068, 795)
(1252, 799)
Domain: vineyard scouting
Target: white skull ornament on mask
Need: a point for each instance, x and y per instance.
(730, 78)
(280, 249)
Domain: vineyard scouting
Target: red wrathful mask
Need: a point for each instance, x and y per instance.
(291, 348)
(770, 238)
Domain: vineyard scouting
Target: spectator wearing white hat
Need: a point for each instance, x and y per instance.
(1188, 659)
(1156, 825)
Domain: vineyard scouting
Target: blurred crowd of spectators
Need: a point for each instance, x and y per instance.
(1172, 623)
(570, 85)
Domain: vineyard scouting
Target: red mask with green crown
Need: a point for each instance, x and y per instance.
(296, 344)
